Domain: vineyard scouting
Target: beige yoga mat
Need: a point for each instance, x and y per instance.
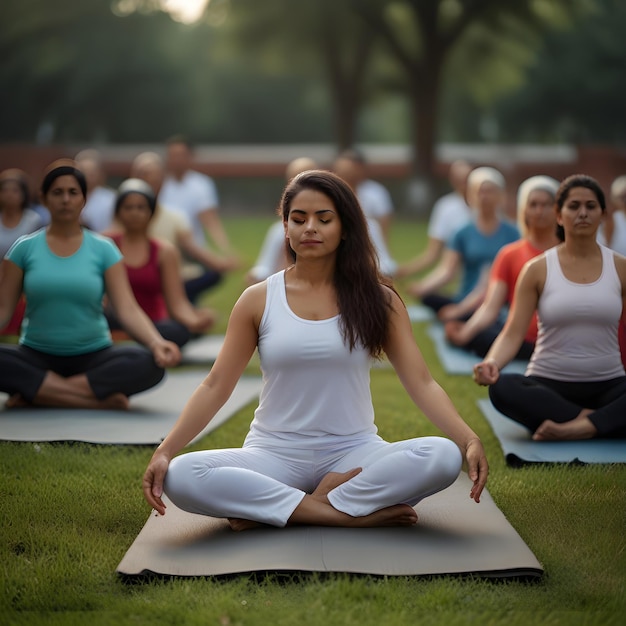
(150, 418)
(454, 535)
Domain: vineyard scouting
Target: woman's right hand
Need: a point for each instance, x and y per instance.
(153, 479)
(454, 332)
(486, 372)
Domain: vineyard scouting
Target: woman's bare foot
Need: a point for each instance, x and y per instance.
(116, 401)
(317, 510)
(334, 479)
(580, 427)
(15, 401)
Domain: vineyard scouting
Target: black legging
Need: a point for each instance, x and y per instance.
(168, 329)
(530, 400)
(117, 369)
(482, 341)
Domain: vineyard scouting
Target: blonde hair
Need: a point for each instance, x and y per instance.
(534, 183)
(618, 186)
(479, 176)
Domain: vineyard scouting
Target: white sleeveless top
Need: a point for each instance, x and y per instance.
(577, 338)
(315, 390)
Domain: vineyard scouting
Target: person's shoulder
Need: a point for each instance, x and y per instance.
(197, 178)
(171, 218)
(26, 243)
(513, 249)
(99, 241)
(252, 300)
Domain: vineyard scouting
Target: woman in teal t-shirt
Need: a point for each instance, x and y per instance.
(65, 355)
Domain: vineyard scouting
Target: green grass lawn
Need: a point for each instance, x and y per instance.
(69, 512)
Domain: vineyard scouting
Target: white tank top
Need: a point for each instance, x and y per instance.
(315, 390)
(577, 338)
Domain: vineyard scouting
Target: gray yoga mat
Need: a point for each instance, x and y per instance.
(420, 313)
(458, 361)
(519, 448)
(454, 535)
(149, 419)
(204, 349)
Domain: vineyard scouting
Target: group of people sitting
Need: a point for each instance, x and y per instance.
(318, 319)
(553, 296)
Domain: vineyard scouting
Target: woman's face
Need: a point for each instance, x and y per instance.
(134, 212)
(313, 226)
(581, 212)
(488, 197)
(64, 199)
(11, 195)
(539, 213)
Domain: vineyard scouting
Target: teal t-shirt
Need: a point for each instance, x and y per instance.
(64, 294)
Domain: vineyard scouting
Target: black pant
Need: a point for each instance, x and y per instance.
(116, 369)
(196, 286)
(530, 400)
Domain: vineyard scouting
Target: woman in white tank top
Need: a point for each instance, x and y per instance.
(313, 455)
(575, 385)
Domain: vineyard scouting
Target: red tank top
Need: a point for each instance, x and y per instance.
(145, 282)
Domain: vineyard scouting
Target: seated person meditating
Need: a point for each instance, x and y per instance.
(470, 251)
(153, 268)
(16, 219)
(575, 385)
(313, 455)
(65, 355)
(537, 223)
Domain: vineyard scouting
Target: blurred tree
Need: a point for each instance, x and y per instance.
(421, 36)
(575, 90)
(320, 39)
(80, 71)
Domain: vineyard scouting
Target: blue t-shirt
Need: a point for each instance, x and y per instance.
(64, 294)
(478, 251)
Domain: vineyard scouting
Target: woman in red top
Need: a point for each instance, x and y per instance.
(536, 221)
(153, 268)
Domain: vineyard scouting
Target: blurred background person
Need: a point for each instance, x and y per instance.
(98, 212)
(449, 214)
(153, 268)
(200, 265)
(613, 230)
(536, 221)
(374, 198)
(471, 250)
(16, 219)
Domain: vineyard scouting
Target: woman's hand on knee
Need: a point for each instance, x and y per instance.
(153, 479)
(477, 467)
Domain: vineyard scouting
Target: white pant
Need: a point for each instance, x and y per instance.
(265, 484)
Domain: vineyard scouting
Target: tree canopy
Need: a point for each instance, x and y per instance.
(342, 71)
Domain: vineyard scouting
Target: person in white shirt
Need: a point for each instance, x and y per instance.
(374, 198)
(449, 214)
(313, 455)
(612, 232)
(194, 194)
(100, 206)
(200, 265)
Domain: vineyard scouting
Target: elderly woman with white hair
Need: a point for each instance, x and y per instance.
(536, 220)
(613, 231)
(473, 247)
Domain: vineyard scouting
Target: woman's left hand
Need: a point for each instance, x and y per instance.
(477, 467)
(166, 353)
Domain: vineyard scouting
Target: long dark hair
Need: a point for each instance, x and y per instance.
(363, 302)
(571, 182)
